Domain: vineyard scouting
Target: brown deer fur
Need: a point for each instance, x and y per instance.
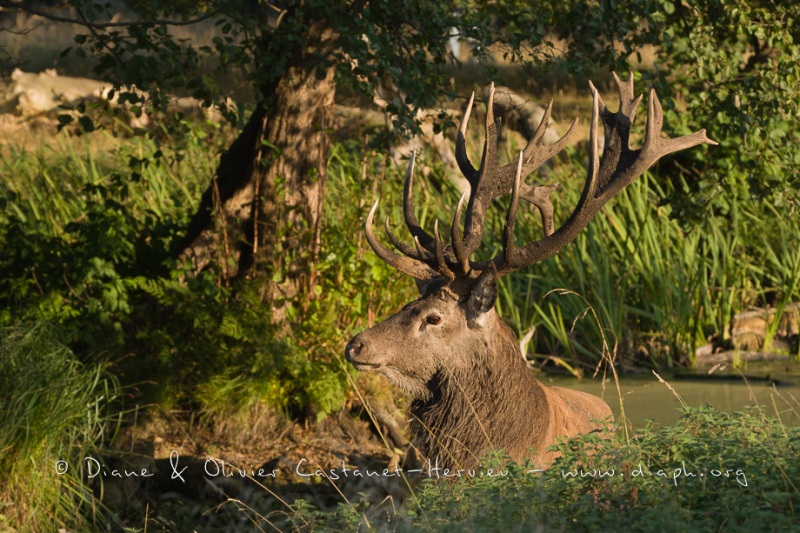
(472, 389)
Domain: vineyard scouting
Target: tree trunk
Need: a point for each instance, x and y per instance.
(261, 214)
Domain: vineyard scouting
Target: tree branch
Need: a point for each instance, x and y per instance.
(10, 4)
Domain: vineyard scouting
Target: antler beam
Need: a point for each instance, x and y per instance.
(606, 176)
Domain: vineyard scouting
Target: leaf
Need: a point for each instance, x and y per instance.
(86, 123)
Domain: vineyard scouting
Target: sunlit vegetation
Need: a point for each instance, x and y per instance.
(102, 317)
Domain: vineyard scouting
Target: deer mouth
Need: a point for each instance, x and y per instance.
(363, 365)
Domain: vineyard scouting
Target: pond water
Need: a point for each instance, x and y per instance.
(644, 397)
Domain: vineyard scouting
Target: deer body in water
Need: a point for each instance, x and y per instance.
(449, 349)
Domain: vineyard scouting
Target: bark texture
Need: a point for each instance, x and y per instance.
(261, 214)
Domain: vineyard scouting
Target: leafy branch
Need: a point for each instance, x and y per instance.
(83, 21)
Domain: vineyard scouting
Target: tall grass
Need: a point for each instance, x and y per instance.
(54, 185)
(660, 288)
(54, 411)
(87, 235)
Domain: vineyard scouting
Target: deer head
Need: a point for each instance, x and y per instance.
(455, 314)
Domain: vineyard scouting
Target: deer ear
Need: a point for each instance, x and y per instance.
(423, 285)
(482, 297)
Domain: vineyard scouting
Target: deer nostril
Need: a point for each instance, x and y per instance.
(353, 349)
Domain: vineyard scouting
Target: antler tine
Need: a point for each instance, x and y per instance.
(594, 154)
(464, 164)
(607, 175)
(655, 119)
(441, 263)
(533, 156)
(462, 258)
(408, 206)
(511, 215)
(420, 250)
(540, 197)
(484, 183)
(489, 155)
(406, 265)
(401, 246)
(627, 103)
(542, 127)
(535, 153)
(473, 175)
(656, 146)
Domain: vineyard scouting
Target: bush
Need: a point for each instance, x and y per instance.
(88, 237)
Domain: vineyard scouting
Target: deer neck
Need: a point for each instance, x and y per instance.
(496, 395)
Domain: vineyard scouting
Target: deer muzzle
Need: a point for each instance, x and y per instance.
(358, 353)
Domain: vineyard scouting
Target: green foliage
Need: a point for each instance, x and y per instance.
(743, 88)
(257, 41)
(88, 240)
(711, 471)
(54, 412)
(77, 231)
(90, 250)
(220, 353)
(747, 482)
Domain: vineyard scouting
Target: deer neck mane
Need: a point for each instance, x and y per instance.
(495, 395)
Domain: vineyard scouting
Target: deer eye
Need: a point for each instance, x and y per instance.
(433, 320)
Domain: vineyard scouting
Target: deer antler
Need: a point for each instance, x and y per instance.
(607, 175)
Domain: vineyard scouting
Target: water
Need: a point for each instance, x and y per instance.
(776, 387)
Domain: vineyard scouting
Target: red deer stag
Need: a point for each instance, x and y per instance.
(449, 349)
